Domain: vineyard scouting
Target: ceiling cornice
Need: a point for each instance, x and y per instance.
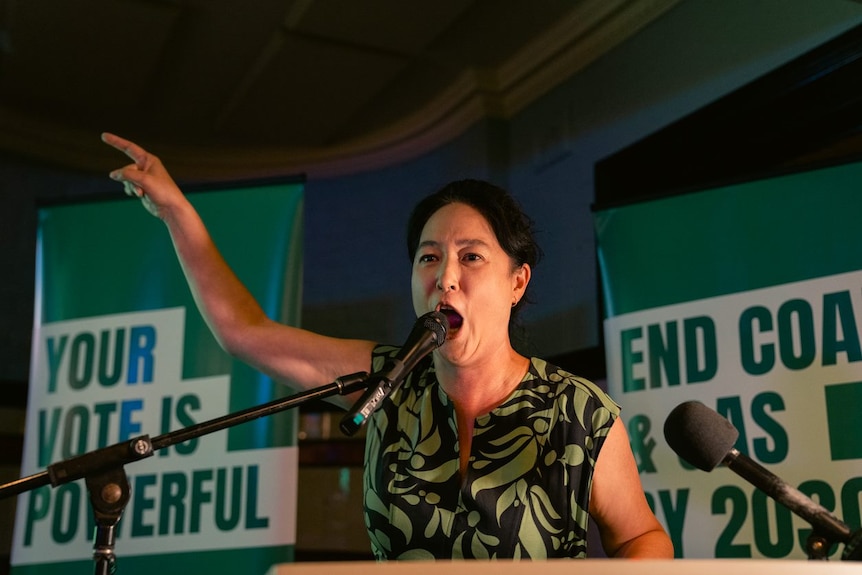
(590, 31)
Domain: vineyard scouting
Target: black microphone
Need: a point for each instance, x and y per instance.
(705, 439)
(429, 333)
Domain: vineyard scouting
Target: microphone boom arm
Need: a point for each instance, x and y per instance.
(106, 479)
(827, 529)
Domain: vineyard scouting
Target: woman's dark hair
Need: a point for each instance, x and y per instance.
(513, 228)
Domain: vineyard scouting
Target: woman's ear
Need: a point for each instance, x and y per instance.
(520, 280)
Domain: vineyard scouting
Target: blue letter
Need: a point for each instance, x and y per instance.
(141, 344)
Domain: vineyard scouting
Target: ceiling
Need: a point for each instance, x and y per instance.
(322, 87)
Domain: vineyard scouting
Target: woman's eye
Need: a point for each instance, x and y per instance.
(472, 257)
(425, 258)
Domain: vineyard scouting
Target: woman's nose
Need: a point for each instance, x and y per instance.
(447, 278)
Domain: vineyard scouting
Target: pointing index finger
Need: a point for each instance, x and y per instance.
(132, 150)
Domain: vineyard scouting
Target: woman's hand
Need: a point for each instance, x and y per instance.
(146, 178)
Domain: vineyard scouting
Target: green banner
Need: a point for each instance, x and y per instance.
(119, 350)
(747, 298)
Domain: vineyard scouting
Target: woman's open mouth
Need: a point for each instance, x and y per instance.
(454, 318)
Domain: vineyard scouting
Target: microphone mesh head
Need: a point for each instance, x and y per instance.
(699, 435)
(438, 324)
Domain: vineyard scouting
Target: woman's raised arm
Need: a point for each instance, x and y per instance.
(291, 355)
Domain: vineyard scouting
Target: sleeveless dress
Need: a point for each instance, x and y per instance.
(527, 488)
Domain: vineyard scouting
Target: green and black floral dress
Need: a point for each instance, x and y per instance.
(527, 490)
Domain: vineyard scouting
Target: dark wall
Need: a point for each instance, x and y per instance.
(806, 113)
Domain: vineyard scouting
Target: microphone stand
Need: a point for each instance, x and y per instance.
(818, 544)
(105, 476)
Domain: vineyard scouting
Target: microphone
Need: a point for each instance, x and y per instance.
(705, 439)
(429, 333)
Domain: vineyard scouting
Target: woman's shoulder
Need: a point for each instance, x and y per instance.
(544, 373)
